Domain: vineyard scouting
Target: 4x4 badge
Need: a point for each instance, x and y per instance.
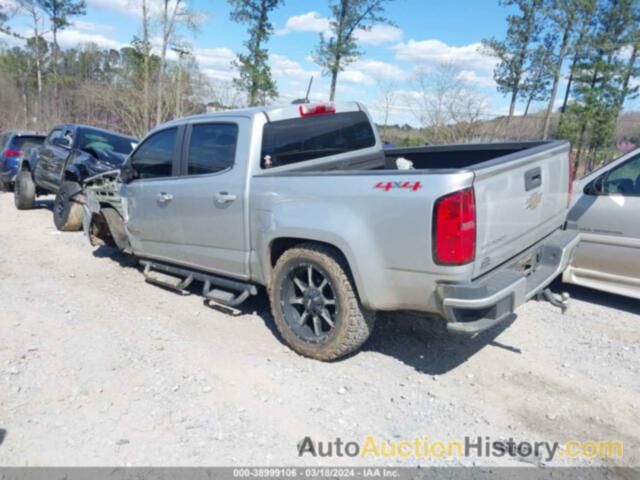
(386, 186)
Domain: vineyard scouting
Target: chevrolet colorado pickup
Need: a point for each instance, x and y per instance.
(304, 201)
(70, 153)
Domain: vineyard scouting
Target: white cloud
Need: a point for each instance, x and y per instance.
(282, 66)
(367, 72)
(129, 7)
(218, 57)
(72, 38)
(472, 78)
(68, 38)
(132, 7)
(433, 52)
(378, 69)
(214, 62)
(92, 27)
(218, 74)
(9, 6)
(315, 23)
(379, 34)
(307, 22)
(355, 76)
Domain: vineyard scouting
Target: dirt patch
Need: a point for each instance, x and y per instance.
(99, 368)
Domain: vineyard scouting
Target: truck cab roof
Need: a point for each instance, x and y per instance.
(272, 112)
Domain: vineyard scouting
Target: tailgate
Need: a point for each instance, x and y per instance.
(520, 199)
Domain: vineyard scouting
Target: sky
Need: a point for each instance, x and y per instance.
(424, 34)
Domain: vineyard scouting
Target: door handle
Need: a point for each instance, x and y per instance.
(164, 197)
(224, 197)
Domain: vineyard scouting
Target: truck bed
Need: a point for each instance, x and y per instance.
(431, 158)
(458, 156)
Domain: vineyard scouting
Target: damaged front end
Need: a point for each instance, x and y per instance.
(103, 221)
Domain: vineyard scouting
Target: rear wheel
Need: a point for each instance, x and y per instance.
(67, 213)
(314, 304)
(24, 191)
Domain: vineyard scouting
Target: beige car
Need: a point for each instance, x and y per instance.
(607, 212)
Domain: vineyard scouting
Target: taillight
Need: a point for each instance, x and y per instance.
(454, 228)
(307, 110)
(571, 177)
(12, 153)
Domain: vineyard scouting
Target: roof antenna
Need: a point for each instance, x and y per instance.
(306, 98)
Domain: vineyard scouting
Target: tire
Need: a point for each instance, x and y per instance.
(24, 191)
(67, 213)
(351, 324)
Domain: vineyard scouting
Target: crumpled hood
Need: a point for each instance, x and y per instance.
(92, 161)
(109, 159)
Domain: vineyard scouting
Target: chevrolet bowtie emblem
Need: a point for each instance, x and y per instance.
(533, 201)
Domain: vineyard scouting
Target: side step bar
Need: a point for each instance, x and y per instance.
(230, 292)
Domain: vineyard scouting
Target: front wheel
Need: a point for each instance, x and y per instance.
(67, 213)
(314, 304)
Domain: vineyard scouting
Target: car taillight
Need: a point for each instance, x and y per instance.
(308, 110)
(12, 153)
(571, 177)
(454, 229)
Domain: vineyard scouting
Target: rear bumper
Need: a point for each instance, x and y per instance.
(473, 307)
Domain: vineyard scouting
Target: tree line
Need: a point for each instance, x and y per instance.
(136, 87)
(589, 48)
(594, 43)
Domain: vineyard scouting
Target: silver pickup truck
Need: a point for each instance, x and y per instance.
(303, 200)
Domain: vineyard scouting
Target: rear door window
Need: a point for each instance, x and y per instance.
(286, 142)
(212, 148)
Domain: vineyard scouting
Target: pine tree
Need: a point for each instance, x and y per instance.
(599, 78)
(59, 13)
(255, 73)
(341, 48)
(536, 83)
(569, 19)
(515, 50)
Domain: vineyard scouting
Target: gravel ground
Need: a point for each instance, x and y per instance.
(99, 368)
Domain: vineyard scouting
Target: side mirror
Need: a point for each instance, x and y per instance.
(597, 186)
(128, 173)
(61, 142)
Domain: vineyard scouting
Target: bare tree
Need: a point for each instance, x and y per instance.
(223, 95)
(387, 95)
(31, 9)
(146, 47)
(174, 13)
(448, 108)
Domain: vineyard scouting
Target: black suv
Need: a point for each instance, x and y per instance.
(70, 154)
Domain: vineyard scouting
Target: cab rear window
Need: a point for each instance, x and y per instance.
(286, 142)
(26, 142)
